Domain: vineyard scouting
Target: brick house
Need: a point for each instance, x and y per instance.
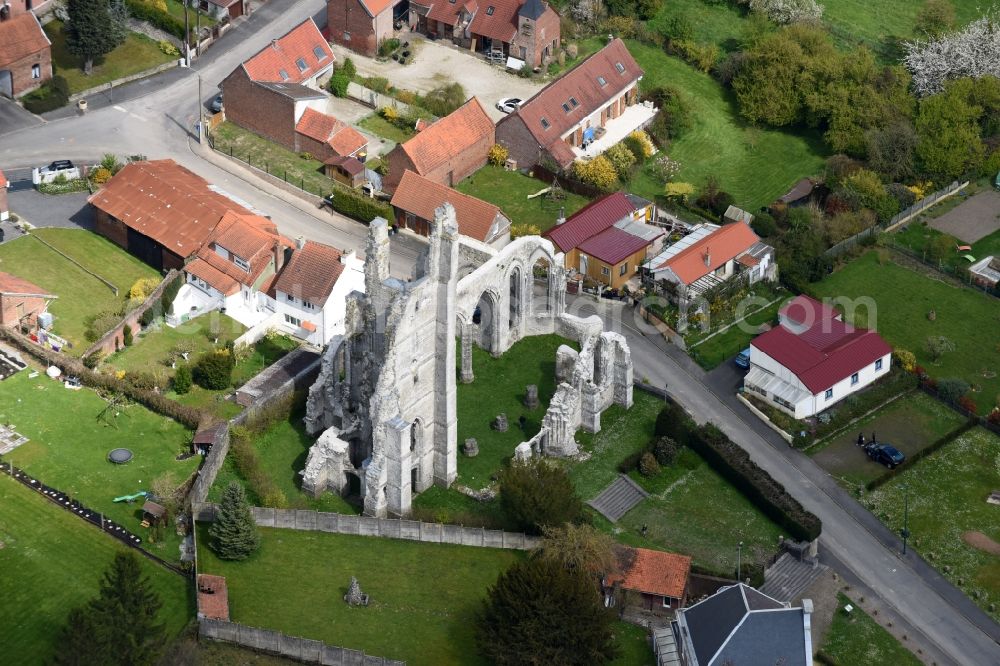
(447, 151)
(360, 25)
(660, 579)
(25, 54)
(527, 30)
(21, 302)
(607, 240)
(416, 199)
(278, 95)
(4, 208)
(578, 109)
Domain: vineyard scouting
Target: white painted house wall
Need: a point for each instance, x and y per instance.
(329, 319)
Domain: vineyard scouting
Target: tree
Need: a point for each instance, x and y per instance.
(93, 30)
(348, 69)
(621, 159)
(973, 51)
(891, 149)
(937, 345)
(182, 379)
(127, 336)
(214, 370)
(666, 450)
(540, 612)
(537, 494)
(648, 466)
(444, 99)
(948, 127)
(579, 547)
(787, 11)
(233, 535)
(120, 625)
(598, 172)
(936, 18)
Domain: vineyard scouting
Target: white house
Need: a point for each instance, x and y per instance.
(813, 359)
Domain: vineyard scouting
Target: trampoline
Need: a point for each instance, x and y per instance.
(120, 456)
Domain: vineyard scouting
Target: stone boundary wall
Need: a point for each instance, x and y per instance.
(373, 99)
(107, 342)
(389, 528)
(301, 649)
(125, 79)
(76, 263)
(154, 33)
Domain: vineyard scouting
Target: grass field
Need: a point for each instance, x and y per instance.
(53, 561)
(80, 295)
(911, 424)
(755, 165)
(716, 516)
(152, 348)
(858, 639)
(137, 54)
(510, 189)
(947, 494)
(70, 441)
(306, 174)
(903, 298)
(423, 596)
(499, 387)
(379, 126)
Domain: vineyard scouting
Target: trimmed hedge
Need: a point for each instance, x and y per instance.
(735, 465)
(358, 207)
(156, 18)
(51, 95)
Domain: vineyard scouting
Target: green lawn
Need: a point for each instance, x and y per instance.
(70, 441)
(423, 596)
(151, 349)
(80, 294)
(499, 387)
(858, 639)
(268, 156)
(947, 493)
(176, 9)
(911, 424)
(510, 189)
(634, 645)
(379, 126)
(903, 298)
(137, 54)
(755, 165)
(52, 562)
(716, 516)
(724, 346)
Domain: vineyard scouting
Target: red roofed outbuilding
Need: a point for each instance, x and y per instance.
(660, 578)
(361, 25)
(25, 54)
(813, 359)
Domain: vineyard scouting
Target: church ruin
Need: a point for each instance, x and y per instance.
(384, 404)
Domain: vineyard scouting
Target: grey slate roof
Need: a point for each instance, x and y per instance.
(767, 638)
(532, 9)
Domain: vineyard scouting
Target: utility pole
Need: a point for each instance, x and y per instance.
(187, 32)
(905, 533)
(739, 561)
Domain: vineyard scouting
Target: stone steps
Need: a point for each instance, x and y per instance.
(618, 498)
(788, 578)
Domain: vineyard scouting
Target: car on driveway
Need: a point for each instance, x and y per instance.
(216, 104)
(57, 166)
(885, 454)
(742, 359)
(509, 104)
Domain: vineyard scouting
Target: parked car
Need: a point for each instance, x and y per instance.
(742, 359)
(58, 165)
(885, 454)
(216, 104)
(509, 104)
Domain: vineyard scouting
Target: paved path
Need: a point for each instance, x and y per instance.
(618, 498)
(851, 535)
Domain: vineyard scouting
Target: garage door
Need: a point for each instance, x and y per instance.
(236, 9)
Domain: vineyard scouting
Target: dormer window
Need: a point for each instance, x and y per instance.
(301, 64)
(489, 10)
(573, 102)
(620, 67)
(319, 53)
(602, 81)
(241, 263)
(566, 107)
(545, 123)
(283, 74)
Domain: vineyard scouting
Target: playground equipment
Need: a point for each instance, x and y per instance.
(132, 498)
(119, 456)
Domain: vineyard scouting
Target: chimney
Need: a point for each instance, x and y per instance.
(347, 256)
(708, 256)
(279, 256)
(274, 44)
(562, 216)
(300, 242)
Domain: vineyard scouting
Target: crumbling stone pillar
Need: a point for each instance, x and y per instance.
(468, 334)
(399, 493)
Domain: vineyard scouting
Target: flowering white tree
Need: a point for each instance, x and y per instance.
(974, 51)
(787, 11)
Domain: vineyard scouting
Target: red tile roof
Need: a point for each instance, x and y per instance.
(613, 64)
(3, 180)
(656, 572)
(447, 12)
(344, 139)
(376, 7)
(12, 285)
(349, 164)
(807, 310)
(501, 24)
(444, 139)
(21, 37)
(216, 279)
(590, 220)
(711, 252)
(282, 53)
(308, 326)
(213, 597)
(166, 202)
(613, 245)
(311, 273)
(827, 352)
(251, 238)
(415, 194)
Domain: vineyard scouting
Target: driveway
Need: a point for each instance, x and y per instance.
(52, 210)
(13, 117)
(436, 63)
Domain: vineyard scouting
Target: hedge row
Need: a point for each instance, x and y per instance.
(735, 465)
(923, 453)
(359, 207)
(183, 414)
(250, 467)
(52, 95)
(156, 18)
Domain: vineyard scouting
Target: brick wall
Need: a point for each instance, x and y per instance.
(398, 162)
(10, 313)
(318, 149)
(348, 16)
(115, 338)
(450, 173)
(20, 71)
(262, 111)
(110, 228)
(514, 135)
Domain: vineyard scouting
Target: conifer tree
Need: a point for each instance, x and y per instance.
(234, 533)
(95, 28)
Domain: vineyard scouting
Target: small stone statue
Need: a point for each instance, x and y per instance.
(471, 448)
(354, 596)
(531, 397)
(500, 423)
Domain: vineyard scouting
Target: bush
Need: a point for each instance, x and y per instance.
(444, 99)
(387, 46)
(537, 494)
(142, 288)
(148, 315)
(622, 159)
(519, 229)
(701, 56)
(648, 466)
(639, 143)
(52, 94)
(158, 18)
(359, 207)
(91, 361)
(598, 172)
(170, 293)
(764, 225)
(498, 155)
(182, 379)
(952, 388)
(905, 359)
(127, 336)
(100, 176)
(214, 370)
(666, 450)
(167, 48)
(101, 323)
(348, 69)
(338, 85)
(674, 117)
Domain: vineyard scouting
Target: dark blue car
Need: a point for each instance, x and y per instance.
(887, 455)
(742, 359)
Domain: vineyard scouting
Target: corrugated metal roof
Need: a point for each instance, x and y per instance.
(613, 245)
